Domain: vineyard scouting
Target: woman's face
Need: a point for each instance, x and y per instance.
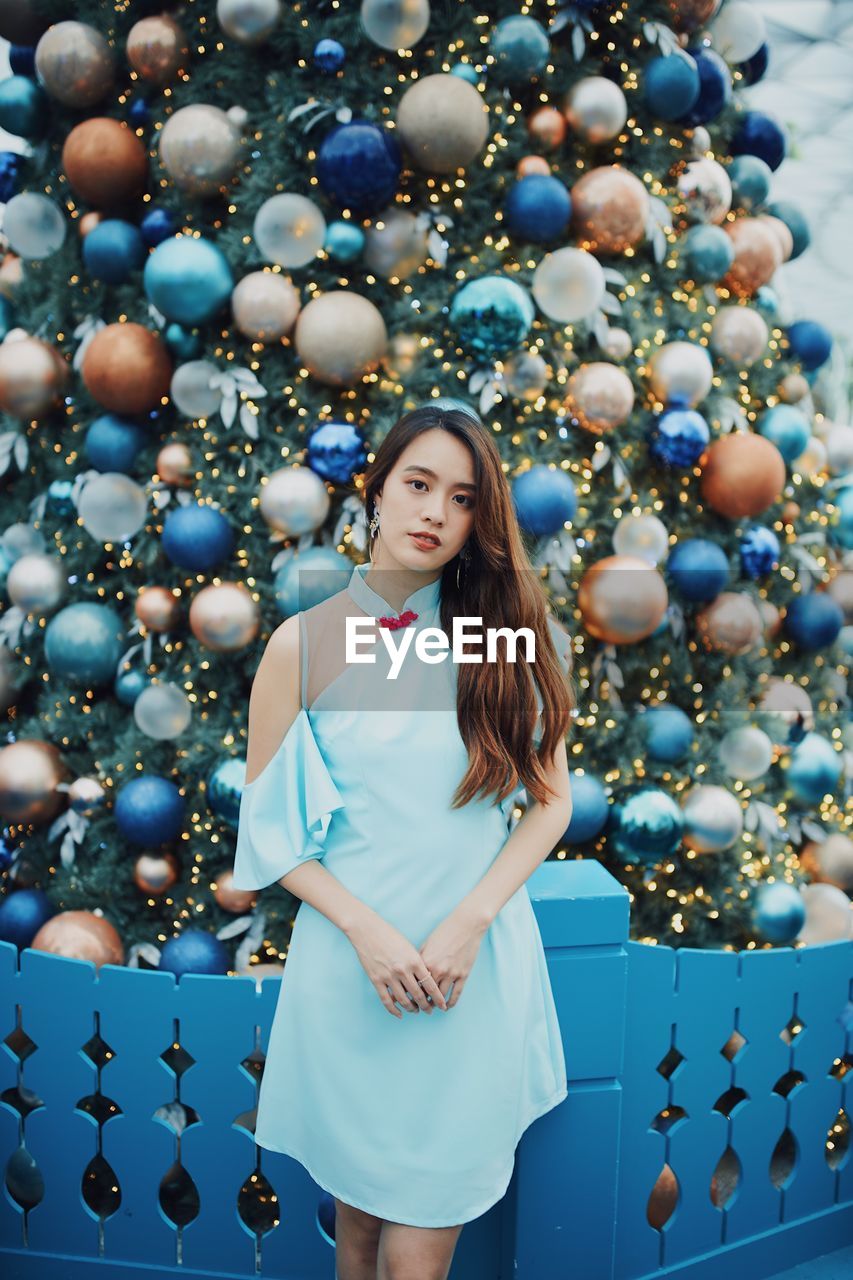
(430, 489)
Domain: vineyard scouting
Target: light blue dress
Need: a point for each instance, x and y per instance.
(413, 1119)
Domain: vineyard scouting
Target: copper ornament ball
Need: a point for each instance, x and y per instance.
(127, 369)
(155, 873)
(742, 474)
(622, 599)
(157, 49)
(30, 771)
(80, 935)
(237, 901)
(610, 209)
(75, 64)
(547, 126)
(104, 162)
(88, 222)
(532, 164)
(175, 464)
(758, 255)
(730, 624)
(225, 617)
(157, 609)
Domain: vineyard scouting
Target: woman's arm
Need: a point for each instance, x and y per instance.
(529, 844)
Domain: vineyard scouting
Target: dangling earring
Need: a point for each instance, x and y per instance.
(373, 527)
(464, 559)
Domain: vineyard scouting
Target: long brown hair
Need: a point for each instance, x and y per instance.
(496, 702)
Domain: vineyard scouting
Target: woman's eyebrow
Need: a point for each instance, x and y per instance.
(460, 484)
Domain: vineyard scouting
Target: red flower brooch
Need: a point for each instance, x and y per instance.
(394, 624)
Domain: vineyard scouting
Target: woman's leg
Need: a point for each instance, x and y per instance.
(356, 1242)
(416, 1253)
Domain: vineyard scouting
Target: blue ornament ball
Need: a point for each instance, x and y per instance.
(698, 569)
(139, 113)
(184, 344)
(22, 914)
(520, 48)
(188, 279)
(60, 498)
(678, 438)
(788, 428)
(309, 577)
(129, 684)
(810, 343)
(759, 551)
(344, 240)
(813, 769)
(466, 71)
(359, 166)
(197, 537)
(779, 913)
(22, 60)
(337, 452)
(590, 808)
(645, 825)
(157, 225)
(796, 222)
(707, 253)
(841, 525)
(225, 787)
(113, 250)
(24, 109)
(813, 620)
(760, 135)
(538, 208)
(10, 172)
(669, 733)
(715, 87)
(329, 56)
(112, 443)
(755, 68)
(751, 178)
(491, 315)
(544, 499)
(149, 811)
(671, 86)
(84, 642)
(195, 951)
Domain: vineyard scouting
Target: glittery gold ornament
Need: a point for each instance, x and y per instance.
(600, 396)
(443, 122)
(224, 617)
(265, 305)
(730, 624)
(33, 376)
(341, 336)
(157, 49)
(793, 388)
(175, 464)
(80, 935)
(75, 64)
(200, 147)
(30, 771)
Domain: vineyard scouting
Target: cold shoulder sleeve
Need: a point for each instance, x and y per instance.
(285, 811)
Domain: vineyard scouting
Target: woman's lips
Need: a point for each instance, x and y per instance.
(425, 544)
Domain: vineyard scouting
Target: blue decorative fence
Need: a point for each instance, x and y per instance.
(706, 1131)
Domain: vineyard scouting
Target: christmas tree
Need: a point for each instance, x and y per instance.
(242, 238)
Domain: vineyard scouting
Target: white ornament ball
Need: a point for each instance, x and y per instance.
(829, 915)
(596, 109)
(265, 306)
(193, 391)
(294, 501)
(746, 753)
(395, 24)
(289, 230)
(641, 535)
(162, 711)
(248, 21)
(569, 284)
(36, 584)
(112, 507)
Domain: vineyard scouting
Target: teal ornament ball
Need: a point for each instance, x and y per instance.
(344, 240)
(814, 769)
(188, 279)
(645, 826)
(466, 71)
(60, 498)
(841, 524)
(788, 428)
(23, 107)
(129, 685)
(590, 808)
(491, 315)
(184, 344)
(310, 576)
(707, 253)
(224, 789)
(750, 177)
(84, 642)
(520, 48)
(779, 913)
(796, 222)
(669, 733)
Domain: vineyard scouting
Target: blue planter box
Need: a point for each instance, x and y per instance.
(706, 1131)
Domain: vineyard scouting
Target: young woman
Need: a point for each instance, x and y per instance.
(384, 803)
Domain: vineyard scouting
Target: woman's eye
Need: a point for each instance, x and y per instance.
(469, 502)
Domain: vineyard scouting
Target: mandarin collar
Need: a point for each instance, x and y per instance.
(420, 601)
